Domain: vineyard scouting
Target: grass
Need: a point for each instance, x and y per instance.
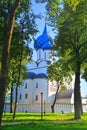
(47, 126)
(36, 117)
(51, 121)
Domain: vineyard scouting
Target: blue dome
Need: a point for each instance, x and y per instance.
(41, 75)
(44, 41)
(31, 75)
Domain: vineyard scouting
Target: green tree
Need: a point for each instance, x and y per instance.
(69, 18)
(8, 10)
(24, 30)
(9, 14)
(59, 73)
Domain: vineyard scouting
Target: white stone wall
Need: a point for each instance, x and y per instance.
(64, 108)
(42, 87)
(64, 101)
(36, 107)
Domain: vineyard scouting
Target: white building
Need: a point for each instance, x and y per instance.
(29, 93)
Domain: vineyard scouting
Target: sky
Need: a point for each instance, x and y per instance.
(40, 9)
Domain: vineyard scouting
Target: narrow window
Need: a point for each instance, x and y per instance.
(25, 85)
(39, 54)
(36, 97)
(20, 97)
(36, 85)
(26, 95)
(45, 56)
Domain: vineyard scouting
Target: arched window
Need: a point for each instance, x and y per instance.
(36, 85)
(25, 85)
(39, 54)
(20, 97)
(26, 95)
(36, 97)
(44, 55)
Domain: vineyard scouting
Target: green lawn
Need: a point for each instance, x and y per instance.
(55, 121)
(46, 126)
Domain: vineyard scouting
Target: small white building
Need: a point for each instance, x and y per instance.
(65, 102)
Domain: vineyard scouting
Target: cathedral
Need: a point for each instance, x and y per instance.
(36, 82)
(37, 91)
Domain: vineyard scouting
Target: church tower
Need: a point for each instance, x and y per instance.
(43, 46)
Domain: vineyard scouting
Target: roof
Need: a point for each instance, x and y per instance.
(32, 75)
(44, 41)
(41, 75)
(66, 94)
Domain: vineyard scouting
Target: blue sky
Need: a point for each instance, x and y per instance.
(40, 9)
(83, 87)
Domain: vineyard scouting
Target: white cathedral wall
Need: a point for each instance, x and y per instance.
(42, 87)
(26, 91)
(32, 91)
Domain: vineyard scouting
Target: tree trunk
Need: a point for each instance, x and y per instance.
(11, 99)
(3, 85)
(81, 106)
(52, 106)
(11, 94)
(5, 57)
(15, 105)
(18, 82)
(77, 94)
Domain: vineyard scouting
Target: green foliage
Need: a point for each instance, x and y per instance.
(59, 72)
(71, 40)
(23, 34)
(62, 89)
